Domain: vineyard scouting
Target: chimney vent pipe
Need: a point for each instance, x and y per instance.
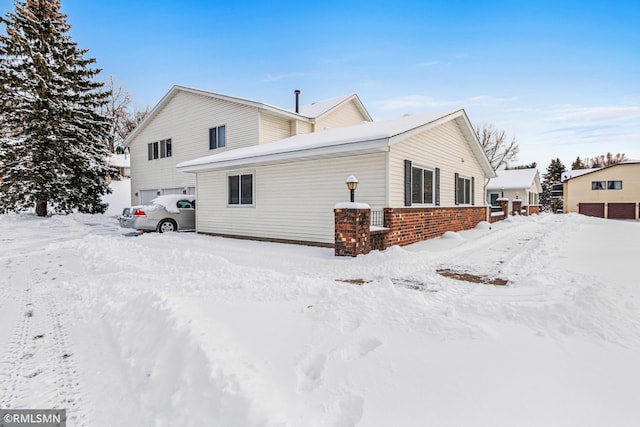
(297, 92)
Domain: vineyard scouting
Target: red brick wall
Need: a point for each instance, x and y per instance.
(351, 231)
(497, 218)
(516, 205)
(410, 225)
(533, 209)
(378, 240)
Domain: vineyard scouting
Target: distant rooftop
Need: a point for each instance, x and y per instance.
(512, 179)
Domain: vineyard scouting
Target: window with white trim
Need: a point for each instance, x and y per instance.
(159, 149)
(464, 191)
(217, 137)
(598, 185)
(240, 189)
(422, 186)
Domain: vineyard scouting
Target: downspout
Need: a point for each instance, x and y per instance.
(486, 203)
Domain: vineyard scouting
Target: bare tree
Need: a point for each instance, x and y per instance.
(499, 148)
(604, 160)
(122, 119)
(132, 121)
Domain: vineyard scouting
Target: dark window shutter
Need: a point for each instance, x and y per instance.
(407, 182)
(437, 185)
(473, 191)
(457, 190)
(150, 150)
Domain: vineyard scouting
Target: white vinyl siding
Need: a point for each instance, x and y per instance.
(187, 118)
(441, 147)
(298, 127)
(273, 128)
(344, 115)
(292, 201)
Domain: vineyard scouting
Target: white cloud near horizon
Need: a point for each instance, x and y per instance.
(596, 114)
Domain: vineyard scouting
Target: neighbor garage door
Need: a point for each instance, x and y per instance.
(622, 210)
(592, 209)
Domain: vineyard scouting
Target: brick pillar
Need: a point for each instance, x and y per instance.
(517, 206)
(352, 229)
(504, 204)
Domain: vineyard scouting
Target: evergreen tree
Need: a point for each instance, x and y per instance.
(531, 165)
(578, 164)
(549, 199)
(51, 148)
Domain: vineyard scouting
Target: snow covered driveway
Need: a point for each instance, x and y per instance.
(181, 329)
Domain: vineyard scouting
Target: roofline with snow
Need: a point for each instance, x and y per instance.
(338, 150)
(534, 180)
(359, 105)
(626, 162)
(353, 145)
(248, 102)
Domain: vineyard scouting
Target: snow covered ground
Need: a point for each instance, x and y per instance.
(189, 330)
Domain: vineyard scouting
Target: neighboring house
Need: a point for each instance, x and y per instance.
(121, 163)
(191, 123)
(522, 184)
(609, 192)
(426, 172)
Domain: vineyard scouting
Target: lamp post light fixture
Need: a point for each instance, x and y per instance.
(352, 184)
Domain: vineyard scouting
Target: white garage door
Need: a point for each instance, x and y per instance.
(146, 196)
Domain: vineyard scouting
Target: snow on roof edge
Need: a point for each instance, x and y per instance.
(337, 137)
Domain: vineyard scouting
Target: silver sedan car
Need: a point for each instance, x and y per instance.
(164, 214)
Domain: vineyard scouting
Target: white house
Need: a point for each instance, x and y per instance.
(190, 123)
(121, 163)
(522, 184)
(422, 165)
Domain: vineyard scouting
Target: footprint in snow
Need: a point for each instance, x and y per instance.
(360, 349)
(309, 372)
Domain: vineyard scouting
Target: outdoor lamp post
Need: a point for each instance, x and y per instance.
(352, 184)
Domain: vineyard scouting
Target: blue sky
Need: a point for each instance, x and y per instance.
(561, 76)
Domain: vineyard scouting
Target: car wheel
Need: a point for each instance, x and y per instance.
(167, 226)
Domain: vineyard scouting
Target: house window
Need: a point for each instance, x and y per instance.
(533, 198)
(422, 185)
(240, 189)
(159, 149)
(463, 191)
(614, 185)
(217, 137)
(598, 185)
(152, 150)
(165, 148)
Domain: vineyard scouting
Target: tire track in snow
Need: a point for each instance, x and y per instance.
(39, 370)
(15, 363)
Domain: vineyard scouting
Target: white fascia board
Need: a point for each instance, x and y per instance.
(342, 150)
